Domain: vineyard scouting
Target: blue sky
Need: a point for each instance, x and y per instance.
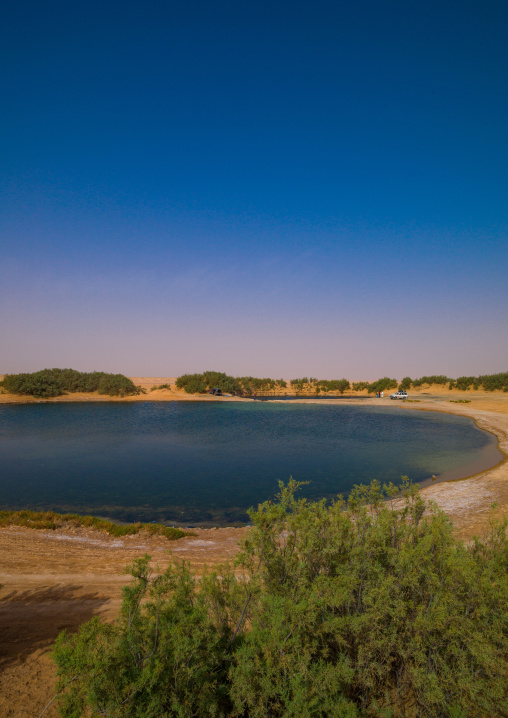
(277, 189)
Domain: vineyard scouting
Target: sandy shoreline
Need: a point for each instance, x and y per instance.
(59, 579)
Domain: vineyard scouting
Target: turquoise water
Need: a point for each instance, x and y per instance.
(199, 462)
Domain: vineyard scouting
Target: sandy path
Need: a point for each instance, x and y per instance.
(56, 580)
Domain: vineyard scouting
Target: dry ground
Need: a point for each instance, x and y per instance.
(59, 579)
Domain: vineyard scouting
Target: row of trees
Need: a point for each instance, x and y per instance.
(244, 385)
(56, 382)
(249, 385)
(346, 610)
(489, 382)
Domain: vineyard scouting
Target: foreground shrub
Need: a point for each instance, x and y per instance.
(364, 609)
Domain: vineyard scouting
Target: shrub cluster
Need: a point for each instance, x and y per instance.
(300, 384)
(52, 520)
(489, 382)
(340, 385)
(191, 383)
(364, 609)
(201, 383)
(251, 385)
(360, 385)
(160, 386)
(248, 385)
(55, 382)
(382, 385)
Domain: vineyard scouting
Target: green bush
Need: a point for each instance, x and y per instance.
(191, 383)
(491, 382)
(55, 382)
(216, 379)
(464, 382)
(382, 385)
(358, 609)
(299, 385)
(327, 385)
(161, 386)
(249, 385)
(433, 379)
(405, 384)
(116, 385)
(360, 385)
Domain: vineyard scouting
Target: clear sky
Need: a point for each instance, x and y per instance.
(266, 188)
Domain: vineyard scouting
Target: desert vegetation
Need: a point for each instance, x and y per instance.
(489, 382)
(244, 385)
(383, 384)
(56, 382)
(364, 608)
(248, 386)
(52, 520)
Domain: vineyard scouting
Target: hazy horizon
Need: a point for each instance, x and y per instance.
(273, 190)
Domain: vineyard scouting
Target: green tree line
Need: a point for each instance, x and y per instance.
(365, 608)
(55, 382)
(201, 383)
(249, 385)
(489, 382)
(244, 385)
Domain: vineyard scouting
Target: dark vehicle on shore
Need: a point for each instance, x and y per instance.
(215, 392)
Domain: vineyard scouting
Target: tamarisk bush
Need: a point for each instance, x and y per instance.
(368, 607)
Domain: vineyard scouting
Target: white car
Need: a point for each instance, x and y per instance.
(399, 395)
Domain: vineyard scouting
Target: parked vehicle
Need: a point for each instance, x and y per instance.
(399, 395)
(215, 392)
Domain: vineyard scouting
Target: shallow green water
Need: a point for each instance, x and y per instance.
(208, 462)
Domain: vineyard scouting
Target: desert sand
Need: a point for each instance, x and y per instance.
(58, 579)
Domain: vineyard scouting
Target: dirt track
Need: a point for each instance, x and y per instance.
(59, 579)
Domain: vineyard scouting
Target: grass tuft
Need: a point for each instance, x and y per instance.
(52, 520)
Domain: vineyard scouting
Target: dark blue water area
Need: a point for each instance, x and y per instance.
(200, 462)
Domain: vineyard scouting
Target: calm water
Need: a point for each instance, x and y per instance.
(198, 462)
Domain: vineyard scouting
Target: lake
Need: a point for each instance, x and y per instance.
(208, 462)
